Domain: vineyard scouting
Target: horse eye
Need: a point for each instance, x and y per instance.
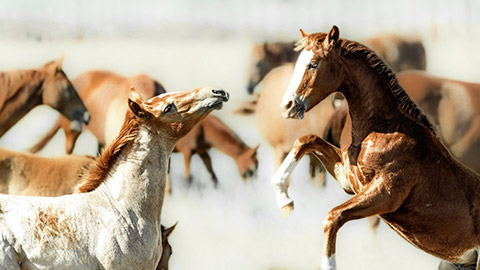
(168, 108)
(312, 65)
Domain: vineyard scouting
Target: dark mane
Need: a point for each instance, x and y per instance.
(98, 172)
(347, 47)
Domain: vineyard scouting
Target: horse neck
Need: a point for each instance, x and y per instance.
(220, 137)
(21, 92)
(370, 100)
(136, 181)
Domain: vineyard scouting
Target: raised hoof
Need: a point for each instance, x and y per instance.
(287, 209)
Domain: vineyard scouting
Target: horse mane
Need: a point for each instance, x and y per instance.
(352, 48)
(95, 174)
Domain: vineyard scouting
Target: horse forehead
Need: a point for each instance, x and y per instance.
(170, 97)
(303, 60)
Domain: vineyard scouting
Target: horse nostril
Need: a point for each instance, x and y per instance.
(219, 92)
(289, 105)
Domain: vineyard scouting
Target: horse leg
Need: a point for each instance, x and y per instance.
(317, 170)
(46, 138)
(71, 136)
(168, 187)
(207, 161)
(375, 199)
(187, 156)
(328, 154)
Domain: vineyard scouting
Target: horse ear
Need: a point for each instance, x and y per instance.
(303, 33)
(60, 62)
(166, 232)
(134, 104)
(333, 36)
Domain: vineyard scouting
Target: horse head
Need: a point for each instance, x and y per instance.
(316, 74)
(174, 114)
(59, 93)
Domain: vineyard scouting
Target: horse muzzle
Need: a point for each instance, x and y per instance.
(293, 108)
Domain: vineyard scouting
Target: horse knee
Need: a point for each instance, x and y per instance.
(331, 222)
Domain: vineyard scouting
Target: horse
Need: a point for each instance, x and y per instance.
(395, 165)
(399, 52)
(105, 94)
(22, 90)
(26, 174)
(114, 223)
(32, 175)
(212, 132)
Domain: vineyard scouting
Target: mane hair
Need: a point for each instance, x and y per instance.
(352, 48)
(98, 172)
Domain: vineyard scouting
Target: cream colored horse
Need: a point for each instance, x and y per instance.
(117, 224)
(32, 175)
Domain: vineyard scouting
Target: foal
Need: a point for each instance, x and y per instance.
(117, 224)
(395, 164)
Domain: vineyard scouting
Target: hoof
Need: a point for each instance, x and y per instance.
(287, 209)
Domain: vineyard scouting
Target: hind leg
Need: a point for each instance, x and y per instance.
(207, 161)
(317, 170)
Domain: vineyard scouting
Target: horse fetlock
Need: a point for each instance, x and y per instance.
(328, 263)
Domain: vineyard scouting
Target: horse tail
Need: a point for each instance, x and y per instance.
(159, 89)
(46, 138)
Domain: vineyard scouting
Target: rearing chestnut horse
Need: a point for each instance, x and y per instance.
(395, 165)
(22, 90)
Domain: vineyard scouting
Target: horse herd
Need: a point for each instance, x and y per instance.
(405, 145)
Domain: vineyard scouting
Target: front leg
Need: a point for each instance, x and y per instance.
(378, 197)
(327, 153)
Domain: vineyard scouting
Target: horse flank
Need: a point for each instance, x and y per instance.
(357, 50)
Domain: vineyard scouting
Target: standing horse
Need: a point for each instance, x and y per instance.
(105, 94)
(116, 224)
(22, 90)
(395, 165)
(211, 132)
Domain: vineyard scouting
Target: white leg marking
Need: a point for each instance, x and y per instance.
(328, 263)
(280, 180)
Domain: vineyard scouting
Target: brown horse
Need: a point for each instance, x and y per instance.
(166, 247)
(211, 132)
(105, 94)
(22, 90)
(395, 165)
(399, 52)
(32, 175)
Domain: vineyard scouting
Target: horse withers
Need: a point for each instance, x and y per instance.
(395, 164)
(115, 224)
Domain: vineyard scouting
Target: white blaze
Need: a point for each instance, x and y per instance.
(303, 60)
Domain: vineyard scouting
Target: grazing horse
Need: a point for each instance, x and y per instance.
(399, 52)
(211, 132)
(116, 223)
(105, 94)
(22, 90)
(395, 165)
